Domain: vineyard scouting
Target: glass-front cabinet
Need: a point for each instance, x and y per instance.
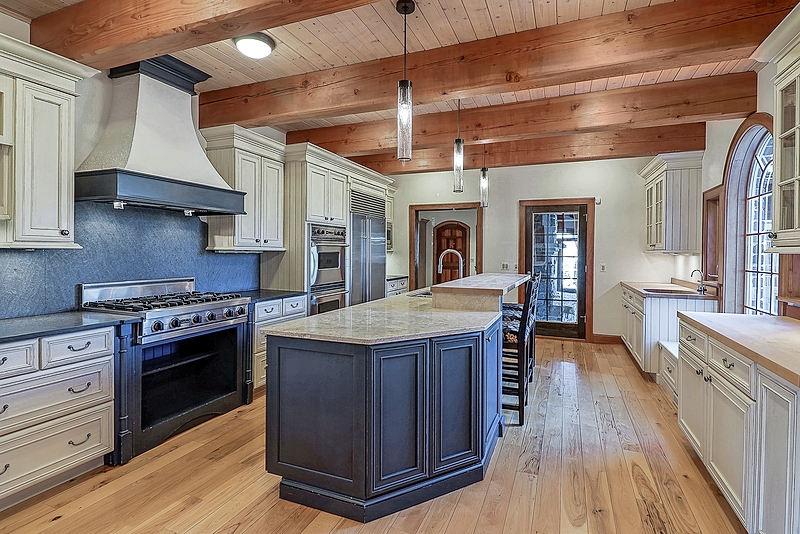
(785, 220)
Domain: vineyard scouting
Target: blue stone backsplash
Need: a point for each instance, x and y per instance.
(118, 245)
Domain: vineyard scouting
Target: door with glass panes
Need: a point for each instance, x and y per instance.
(555, 246)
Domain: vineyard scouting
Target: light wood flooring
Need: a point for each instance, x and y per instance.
(601, 453)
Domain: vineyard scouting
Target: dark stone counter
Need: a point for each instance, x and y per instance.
(21, 328)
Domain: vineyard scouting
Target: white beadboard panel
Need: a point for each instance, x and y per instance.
(661, 323)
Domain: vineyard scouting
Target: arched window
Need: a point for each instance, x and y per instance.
(760, 268)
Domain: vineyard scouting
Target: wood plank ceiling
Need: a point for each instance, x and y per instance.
(373, 32)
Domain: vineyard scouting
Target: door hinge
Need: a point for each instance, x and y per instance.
(583, 318)
(586, 268)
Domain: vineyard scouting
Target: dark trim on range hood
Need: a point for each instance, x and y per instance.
(166, 69)
(138, 189)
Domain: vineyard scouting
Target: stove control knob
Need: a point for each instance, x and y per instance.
(196, 319)
(157, 326)
(227, 312)
(240, 310)
(174, 322)
(210, 316)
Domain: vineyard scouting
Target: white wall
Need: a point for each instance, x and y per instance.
(719, 135)
(14, 27)
(619, 225)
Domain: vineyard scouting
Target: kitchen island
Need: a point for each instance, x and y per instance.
(374, 408)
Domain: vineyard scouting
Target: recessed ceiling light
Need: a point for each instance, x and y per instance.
(255, 45)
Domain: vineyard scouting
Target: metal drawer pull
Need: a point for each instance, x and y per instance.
(296, 304)
(5, 407)
(73, 349)
(725, 363)
(699, 372)
(269, 310)
(5, 468)
(89, 435)
(489, 340)
(707, 378)
(4, 360)
(88, 385)
(691, 338)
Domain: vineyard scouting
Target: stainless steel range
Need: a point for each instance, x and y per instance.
(187, 361)
(169, 308)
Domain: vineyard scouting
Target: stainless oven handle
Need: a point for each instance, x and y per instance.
(314, 264)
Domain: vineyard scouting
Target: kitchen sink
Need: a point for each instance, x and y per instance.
(669, 291)
(420, 293)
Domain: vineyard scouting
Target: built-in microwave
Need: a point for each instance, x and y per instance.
(389, 237)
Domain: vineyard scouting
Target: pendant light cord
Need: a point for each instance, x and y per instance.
(459, 118)
(484, 156)
(405, 43)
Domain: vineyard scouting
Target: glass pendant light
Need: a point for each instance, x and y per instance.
(404, 7)
(484, 182)
(458, 158)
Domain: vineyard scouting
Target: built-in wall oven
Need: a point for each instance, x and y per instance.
(328, 290)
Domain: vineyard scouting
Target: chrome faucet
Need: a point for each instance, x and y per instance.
(460, 261)
(701, 287)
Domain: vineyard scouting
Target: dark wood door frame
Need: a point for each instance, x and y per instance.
(590, 214)
(413, 213)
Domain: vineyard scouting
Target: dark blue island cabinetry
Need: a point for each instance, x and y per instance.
(364, 430)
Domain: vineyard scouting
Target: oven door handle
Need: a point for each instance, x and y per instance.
(327, 294)
(314, 265)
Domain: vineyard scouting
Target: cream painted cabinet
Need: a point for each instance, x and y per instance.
(717, 414)
(327, 195)
(673, 202)
(251, 163)
(777, 482)
(37, 132)
(268, 313)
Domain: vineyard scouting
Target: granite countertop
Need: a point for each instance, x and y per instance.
(259, 295)
(390, 277)
(675, 291)
(771, 342)
(387, 320)
(20, 328)
(485, 283)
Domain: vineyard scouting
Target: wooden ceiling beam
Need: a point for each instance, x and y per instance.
(557, 149)
(671, 35)
(110, 33)
(714, 98)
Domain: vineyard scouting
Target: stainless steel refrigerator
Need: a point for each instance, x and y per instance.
(368, 258)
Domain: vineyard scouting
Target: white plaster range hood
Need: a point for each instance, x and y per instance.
(149, 154)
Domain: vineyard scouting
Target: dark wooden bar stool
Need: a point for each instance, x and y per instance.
(519, 322)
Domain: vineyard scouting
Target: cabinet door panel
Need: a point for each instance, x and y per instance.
(272, 203)
(337, 200)
(6, 110)
(248, 179)
(399, 405)
(44, 164)
(775, 456)
(729, 426)
(317, 194)
(691, 400)
(456, 412)
(637, 334)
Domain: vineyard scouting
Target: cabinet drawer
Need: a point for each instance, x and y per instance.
(693, 339)
(76, 347)
(669, 368)
(391, 285)
(41, 396)
(34, 454)
(731, 365)
(269, 309)
(402, 283)
(294, 305)
(19, 358)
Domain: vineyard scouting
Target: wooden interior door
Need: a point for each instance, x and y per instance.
(455, 235)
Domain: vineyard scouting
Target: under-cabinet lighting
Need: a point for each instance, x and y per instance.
(255, 45)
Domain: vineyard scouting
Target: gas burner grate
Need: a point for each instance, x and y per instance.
(155, 302)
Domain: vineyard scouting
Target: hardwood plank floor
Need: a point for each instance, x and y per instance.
(601, 453)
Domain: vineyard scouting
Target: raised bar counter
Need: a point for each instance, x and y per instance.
(481, 292)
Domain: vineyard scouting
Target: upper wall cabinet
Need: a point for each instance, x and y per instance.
(326, 195)
(783, 48)
(37, 136)
(252, 163)
(673, 197)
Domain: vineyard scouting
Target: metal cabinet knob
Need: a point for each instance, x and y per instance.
(65, 232)
(258, 241)
(699, 372)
